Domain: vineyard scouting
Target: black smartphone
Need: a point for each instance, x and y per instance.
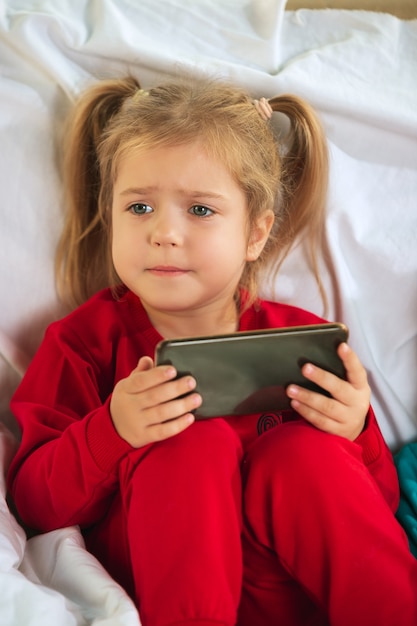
(248, 372)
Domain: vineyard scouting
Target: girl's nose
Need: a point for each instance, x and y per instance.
(166, 229)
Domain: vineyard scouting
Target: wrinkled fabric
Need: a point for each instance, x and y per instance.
(356, 68)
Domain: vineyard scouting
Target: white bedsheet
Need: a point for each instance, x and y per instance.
(356, 68)
(51, 580)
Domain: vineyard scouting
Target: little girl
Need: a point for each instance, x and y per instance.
(177, 197)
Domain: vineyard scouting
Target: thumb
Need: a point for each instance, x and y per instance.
(145, 363)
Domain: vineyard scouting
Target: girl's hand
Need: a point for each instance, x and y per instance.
(345, 412)
(146, 406)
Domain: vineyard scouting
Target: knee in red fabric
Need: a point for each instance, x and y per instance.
(314, 514)
(183, 512)
(296, 466)
(297, 453)
(204, 444)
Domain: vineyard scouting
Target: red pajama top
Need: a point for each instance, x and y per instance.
(66, 469)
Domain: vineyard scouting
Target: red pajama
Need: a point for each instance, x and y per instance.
(256, 520)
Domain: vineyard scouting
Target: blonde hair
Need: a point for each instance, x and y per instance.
(114, 117)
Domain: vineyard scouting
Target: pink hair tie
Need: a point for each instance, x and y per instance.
(264, 108)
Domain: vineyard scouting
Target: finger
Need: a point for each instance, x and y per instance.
(172, 410)
(159, 395)
(334, 418)
(314, 417)
(338, 388)
(327, 424)
(314, 406)
(145, 363)
(355, 371)
(159, 432)
(144, 377)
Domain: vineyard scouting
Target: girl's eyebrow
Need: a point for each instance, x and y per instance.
(136, 190)
(193, 194)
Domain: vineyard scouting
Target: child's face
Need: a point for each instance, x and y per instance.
(180, 232)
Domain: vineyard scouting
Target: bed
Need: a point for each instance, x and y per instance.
(356, 67)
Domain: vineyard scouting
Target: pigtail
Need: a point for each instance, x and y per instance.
(83, 262)
(305, 171)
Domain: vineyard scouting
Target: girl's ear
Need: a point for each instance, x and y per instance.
(258, 235)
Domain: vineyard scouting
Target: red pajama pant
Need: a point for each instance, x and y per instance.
(293, 532)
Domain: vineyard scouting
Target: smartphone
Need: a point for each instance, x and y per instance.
(248, 372)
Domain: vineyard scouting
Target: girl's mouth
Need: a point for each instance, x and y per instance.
(167, 270)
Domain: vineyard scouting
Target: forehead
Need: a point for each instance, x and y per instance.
(186, 164)
(218, 147)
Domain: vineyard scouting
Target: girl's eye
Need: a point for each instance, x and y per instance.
(140, 209)
(200, 210)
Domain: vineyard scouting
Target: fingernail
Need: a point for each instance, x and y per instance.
(292, 390)
(197, 399)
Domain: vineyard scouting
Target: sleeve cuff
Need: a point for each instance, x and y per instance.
(370, 439)
(106, 447)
